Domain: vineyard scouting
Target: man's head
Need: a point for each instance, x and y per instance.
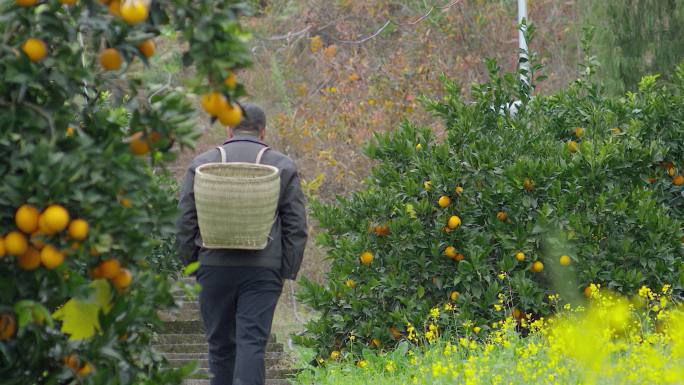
(253, 122)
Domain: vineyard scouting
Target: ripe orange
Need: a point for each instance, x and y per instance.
(366, 258)
(26, 218)
(454, 295)
(528, 184)
(115, 8)
(138, 144)
(8, 326)
(123, 279)
(15, 243)
(56, 218)
(502, 216)
(231, 80)
(520, 256)
(564, 260)
(678, 180)
(230, 115)
(537, 267)
(454, 222)
(381, 230)
(51, 257)
(125, 202)
(459, 190)
(78, 229)
(450, 252)
(459, 257)
(35, 49)
(85, 370)
(579, 131)
(71, 361)
(30, 260)
(134, 12)
(109, 268)
(147, 48)
(3, 251)
(95, 273)
(111, 59)
(444, 201)
(43, 228)
(26, 3)
(572, 146)
(213, 102)
(587, 291)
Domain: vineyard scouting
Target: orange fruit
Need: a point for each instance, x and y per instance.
(138, 144)
(230, 115)
(26, 3)
(454, 295)
(26, 218)
(15, 243)
(95, 273)
(528, 184)
(3, 251)
(115, 8)
(453, 222)
(444, 201)
(8, 326)
(147, 48)
(459, 257)
(231, 80)
(587, 291)
(579, 131)
(56, 218)
(537, 267)
(125, 202)
(109, 268)
(43, 228)
(381, 230)
(366, 258)
(85, 370)
(51, 257)
(67, 2)
(450, 252)
(572, 146)
(111, 59)
(502, 216)
(213, 102)
(36, 241)
(78, 229)
(520, 256)
(564, 260)
(30, 260)
(123, 279)
(134, 12)
(459, 190)
(71, 361)
(35, 49)
(678, 180)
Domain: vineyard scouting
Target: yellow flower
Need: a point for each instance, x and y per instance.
(362, 364)
(434, 312)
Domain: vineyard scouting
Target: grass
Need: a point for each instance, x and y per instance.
(611, 341)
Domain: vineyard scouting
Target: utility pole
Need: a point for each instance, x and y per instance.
(522, 15)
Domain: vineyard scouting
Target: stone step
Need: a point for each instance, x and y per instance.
(273, 347)
(271, 374)
(183, 327)
(208, 382)
(270, 356)
(203, 363)
(186, 311)
(194, 338)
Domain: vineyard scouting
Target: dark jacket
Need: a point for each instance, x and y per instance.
(285, 249)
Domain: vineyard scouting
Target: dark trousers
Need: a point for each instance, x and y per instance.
(237, 305)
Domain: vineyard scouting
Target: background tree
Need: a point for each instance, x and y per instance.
(81, 137)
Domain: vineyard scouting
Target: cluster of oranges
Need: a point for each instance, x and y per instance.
(218, 106)
(29, 242)
(131, 11)
(78, 366)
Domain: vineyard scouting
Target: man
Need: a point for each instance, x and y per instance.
(240, 288)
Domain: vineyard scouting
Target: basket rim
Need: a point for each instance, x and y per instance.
(199, 172)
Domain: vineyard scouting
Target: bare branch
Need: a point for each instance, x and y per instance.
(365, 39)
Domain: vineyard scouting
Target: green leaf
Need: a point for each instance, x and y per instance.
(80, 317)
(191, 268)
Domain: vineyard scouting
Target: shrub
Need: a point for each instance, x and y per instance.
(81, 137)
(570, 189)
(611, 342)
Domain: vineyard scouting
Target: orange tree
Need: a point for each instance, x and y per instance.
(81, 137)
(516, 203)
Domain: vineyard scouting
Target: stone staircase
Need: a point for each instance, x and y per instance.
(183, 341)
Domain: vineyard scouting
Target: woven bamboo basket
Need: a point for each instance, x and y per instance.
(236, 204)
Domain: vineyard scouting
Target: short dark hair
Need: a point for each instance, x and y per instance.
(253, 118)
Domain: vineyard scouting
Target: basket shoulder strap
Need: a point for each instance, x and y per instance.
(261, 154)
(223, 154)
